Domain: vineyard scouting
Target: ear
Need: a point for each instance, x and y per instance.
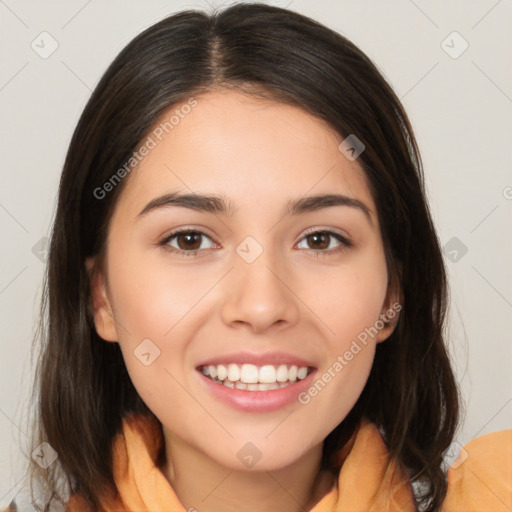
(102, 310)
(390, 312)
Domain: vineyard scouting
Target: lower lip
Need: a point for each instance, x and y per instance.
(258, 401)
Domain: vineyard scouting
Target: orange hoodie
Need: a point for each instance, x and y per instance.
(480, 480)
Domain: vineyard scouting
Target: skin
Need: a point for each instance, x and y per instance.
(258, 154)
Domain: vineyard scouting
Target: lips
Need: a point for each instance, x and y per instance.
(254, 378)
(245, 370)
(256, 382)
(262, 359)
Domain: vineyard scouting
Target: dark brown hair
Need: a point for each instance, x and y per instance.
(82, 389)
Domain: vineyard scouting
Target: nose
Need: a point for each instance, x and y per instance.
(259, 296)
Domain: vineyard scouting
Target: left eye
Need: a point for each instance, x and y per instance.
(187, 241)
(323, 239)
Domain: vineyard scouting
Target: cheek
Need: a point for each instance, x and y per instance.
(151, 297)
(350, 297)
(350, 303)
(154, 301)
(350, 350)
(336, 389)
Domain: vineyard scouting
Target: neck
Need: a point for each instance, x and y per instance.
(216, 488)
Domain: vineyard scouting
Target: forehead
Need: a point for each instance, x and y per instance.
(256, 152)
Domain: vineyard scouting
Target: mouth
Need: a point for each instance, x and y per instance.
(250, 377)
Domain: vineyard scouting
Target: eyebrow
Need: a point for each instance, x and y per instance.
(219, 205)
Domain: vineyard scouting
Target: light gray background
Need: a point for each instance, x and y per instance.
(460, 109)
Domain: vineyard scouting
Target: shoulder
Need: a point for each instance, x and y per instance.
(481, 477)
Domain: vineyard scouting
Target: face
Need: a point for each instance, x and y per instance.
(258, 281)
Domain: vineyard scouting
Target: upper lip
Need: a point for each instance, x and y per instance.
(266, 358)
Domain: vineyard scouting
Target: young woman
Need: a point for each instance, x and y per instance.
(245, 294)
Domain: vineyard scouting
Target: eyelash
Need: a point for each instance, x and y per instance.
(345, 243)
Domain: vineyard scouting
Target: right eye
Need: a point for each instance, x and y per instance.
(186, 242)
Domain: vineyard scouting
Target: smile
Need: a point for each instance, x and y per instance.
(249, 377)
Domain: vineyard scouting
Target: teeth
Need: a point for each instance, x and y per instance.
(253, 387)
(233, 372)
(302, 372)
(267, 374)
(282, 373)
(222, 372)
(249, 373)
(254, 378)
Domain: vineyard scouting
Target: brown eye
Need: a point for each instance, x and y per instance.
(187, 243)
(320, 242)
